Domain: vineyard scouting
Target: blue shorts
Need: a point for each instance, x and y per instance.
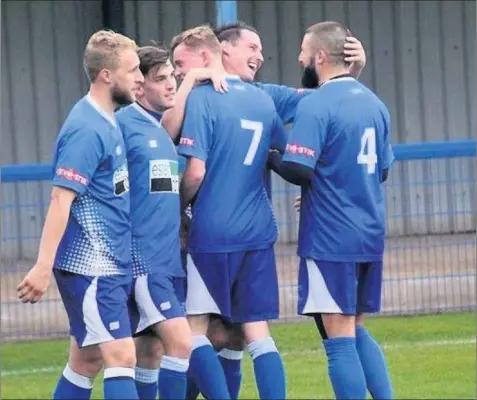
(155, 298)
(239, 286)
(96, 306)
(339, 287)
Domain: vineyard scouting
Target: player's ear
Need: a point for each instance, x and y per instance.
(225, 48)
(205, 56)
(105, 76)
(140, 90)
(320, 57)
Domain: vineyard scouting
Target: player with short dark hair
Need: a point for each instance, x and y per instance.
(339, 152)
(226, 139)
(156, 304)
(86, 238)
(242, 55)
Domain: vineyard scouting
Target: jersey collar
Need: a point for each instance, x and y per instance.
(103, 113)
(339, 78)
(140, 109)
(234, 77)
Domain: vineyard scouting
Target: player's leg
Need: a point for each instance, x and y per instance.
(98, 315)
(229, 341)
(327, 291)
(77, 379)
(109, 327)
(370, 353)
(161, 312)
(207, 293)
(256, 301)
(149, 351)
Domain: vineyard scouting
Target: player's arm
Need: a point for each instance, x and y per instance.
(388, 154)
(172, 118)
(194, 145)
(305, 141)
(77, 158)
(292, 172)
(285, 98)
(191, 181)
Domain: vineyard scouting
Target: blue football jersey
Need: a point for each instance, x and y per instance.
(285, 98)
(90, 159)
(232, 133)
(155, 204)
(342, 131)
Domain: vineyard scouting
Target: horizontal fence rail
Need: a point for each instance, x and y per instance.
(429, 260)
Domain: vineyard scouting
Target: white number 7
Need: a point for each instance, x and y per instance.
(370, 158)
(257, 128)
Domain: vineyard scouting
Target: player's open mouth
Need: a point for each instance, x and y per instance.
(253, 67)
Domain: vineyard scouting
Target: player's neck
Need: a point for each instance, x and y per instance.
(229, 69)
(218, 66)
(332, 72)
(102, 97)
(144, 103)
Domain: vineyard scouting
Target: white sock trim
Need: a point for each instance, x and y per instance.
(231, 354)
(76, 379)
(117, 372)
(145, 375)
(261, 347)
(174, 364)
(199, 341)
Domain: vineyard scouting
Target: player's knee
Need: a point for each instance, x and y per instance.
(176, 336)
(180, 347)
(219, 337)
(149, 351)
(236, 338)
(335, 325)
(86, 362)
(119, 353)
(255, 331)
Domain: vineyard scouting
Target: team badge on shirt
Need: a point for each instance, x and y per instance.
(121, 180)
(163, 176)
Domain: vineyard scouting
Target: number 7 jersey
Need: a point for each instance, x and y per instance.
(232, 133)
(342, 131)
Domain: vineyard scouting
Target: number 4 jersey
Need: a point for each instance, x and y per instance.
(232, 133)
(342, 131)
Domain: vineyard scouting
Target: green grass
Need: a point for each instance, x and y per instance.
(419, 368)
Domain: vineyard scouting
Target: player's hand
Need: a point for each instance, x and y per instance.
(35, 283)
(297, 203)
(355, 54)
(218, 78)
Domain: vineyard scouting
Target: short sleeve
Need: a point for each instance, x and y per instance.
(307, 137)
(78, 155)
(197, 127)
(286, 99)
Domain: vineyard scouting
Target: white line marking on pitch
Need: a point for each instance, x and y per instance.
(388, 347)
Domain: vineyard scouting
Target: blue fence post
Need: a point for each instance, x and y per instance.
(226, 11)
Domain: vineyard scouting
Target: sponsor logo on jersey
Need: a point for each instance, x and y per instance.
(295, 148)
(71, 175)
(186, 141)
(163, 176)
(121, 180)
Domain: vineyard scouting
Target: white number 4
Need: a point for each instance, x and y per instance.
(369, 158)
(257, 128)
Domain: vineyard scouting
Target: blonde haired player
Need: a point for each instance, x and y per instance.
(86, 237)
